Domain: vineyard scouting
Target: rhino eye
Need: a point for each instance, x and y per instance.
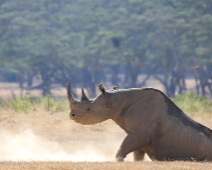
(88, 108)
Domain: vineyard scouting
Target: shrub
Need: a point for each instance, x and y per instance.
(27, 104)
(53, 104)
(193, 103)
(18, 104)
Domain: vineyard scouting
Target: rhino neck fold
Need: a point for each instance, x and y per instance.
(118, 108)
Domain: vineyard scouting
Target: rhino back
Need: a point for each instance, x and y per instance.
(175, 111)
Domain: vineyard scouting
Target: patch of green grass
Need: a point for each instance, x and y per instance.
(27, 104)
(53, 104)
(193, 103)
(18, 104)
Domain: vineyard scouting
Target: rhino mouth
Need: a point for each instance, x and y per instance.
(76, 118)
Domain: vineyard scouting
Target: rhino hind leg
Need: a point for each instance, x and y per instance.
(138, 155)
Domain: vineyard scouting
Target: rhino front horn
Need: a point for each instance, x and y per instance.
(84, 97)
(70, 97)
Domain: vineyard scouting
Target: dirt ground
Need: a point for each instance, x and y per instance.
(56, 137)
(41, 140)
(105, 166)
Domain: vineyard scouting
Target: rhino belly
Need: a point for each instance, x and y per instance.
(189, 146)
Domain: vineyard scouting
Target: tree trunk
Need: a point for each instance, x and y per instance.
(46, 85)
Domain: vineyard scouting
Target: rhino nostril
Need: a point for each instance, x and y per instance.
(73, 114)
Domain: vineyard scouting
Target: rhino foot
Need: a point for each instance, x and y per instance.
(119, 159)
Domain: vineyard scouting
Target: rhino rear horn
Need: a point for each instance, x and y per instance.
(70, 97)
(84, 97)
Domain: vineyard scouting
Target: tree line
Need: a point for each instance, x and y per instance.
(106, 41)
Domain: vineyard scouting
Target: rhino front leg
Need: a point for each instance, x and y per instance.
(138, 155)
(131, 143)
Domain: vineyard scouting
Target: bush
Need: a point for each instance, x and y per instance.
(54, 104)
(193, 103)
(18, 104)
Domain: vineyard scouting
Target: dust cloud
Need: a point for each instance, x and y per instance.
(26, 146)
(41, 136)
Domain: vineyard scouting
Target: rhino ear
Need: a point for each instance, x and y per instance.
(101, 88)
(84, 97)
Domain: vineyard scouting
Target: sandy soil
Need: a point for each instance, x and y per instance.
(106, 166)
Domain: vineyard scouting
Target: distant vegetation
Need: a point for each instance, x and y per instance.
(29, 104)
(193, 103)
(188, 102)
(106, 41)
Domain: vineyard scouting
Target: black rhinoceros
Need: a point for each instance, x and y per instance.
(153, 123)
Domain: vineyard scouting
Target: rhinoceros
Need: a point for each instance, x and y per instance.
(153, 123)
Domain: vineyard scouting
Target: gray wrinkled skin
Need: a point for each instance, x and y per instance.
(153, 123)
